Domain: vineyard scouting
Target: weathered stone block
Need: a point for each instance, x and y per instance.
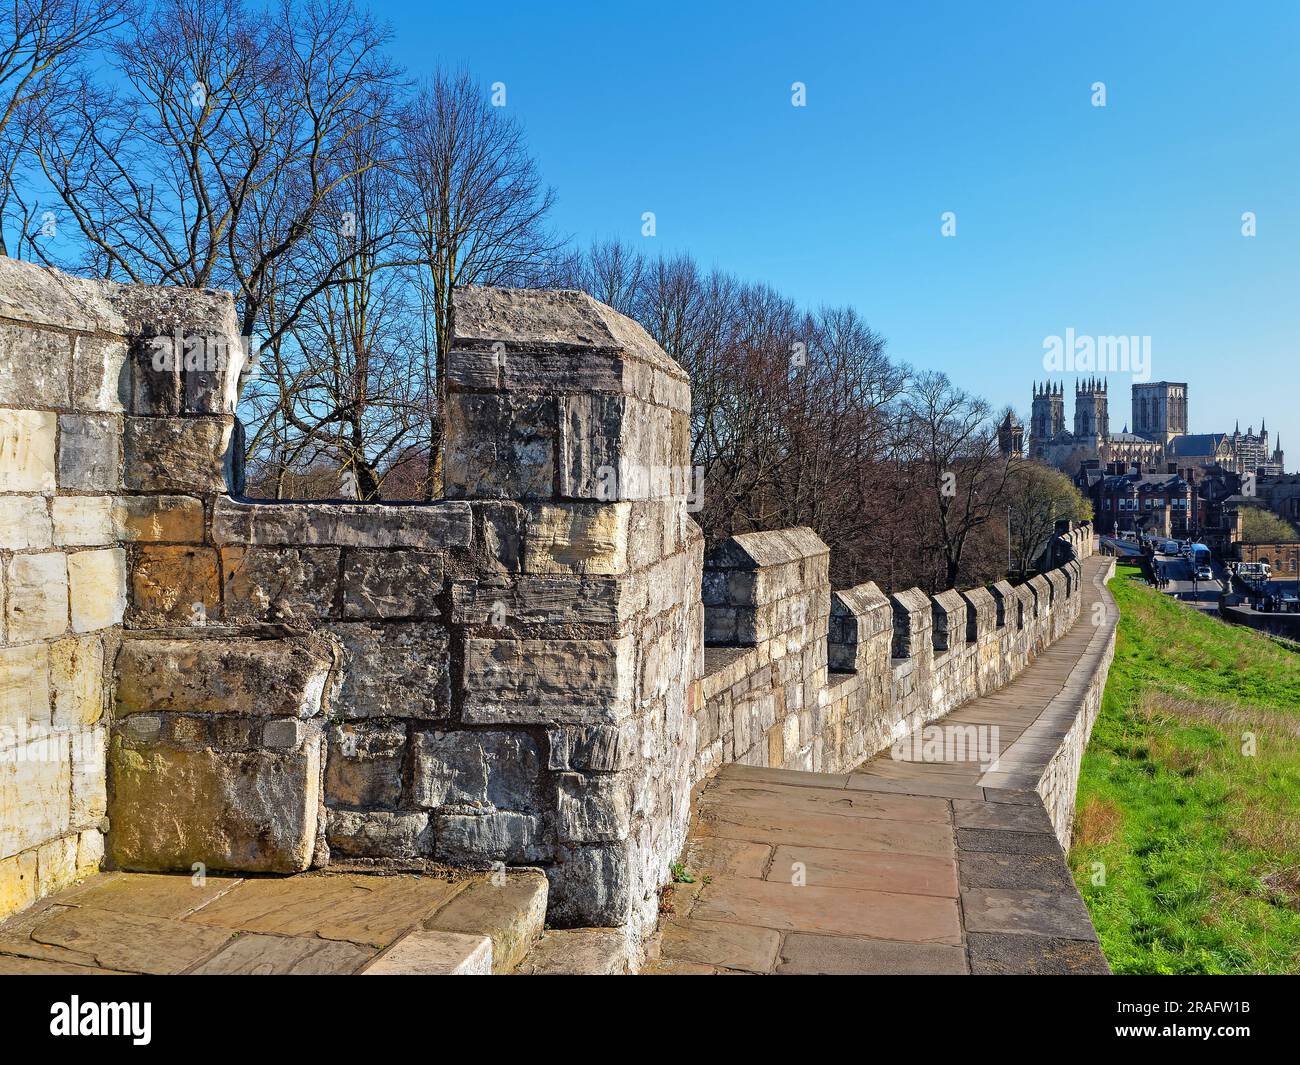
(502, 836)
(912, 622)
(89, 452)
(548, 681)
(501, 532)
(243, 811)
(586, 539)
(38, 597)
(497, 769)
(593, 809)
(537, 340)
(392, 584)
(77, 679)
(82, 521)
(280, 583)
(56, 864)
(538, 601)
(174, 584)
(393, 671)
(177, 454)
(152, 519)
(35, 793)
(378, 834)
(34, 366)
(89, 800)
(428, 526)
(283, 677)
(100, 378)
(25, 523)
(24, 690)
(27, 460)
(597, 749)
(364, 764)
(500, 447)
(18, 882)
(590, 885)
(97, 588)
(948, 613)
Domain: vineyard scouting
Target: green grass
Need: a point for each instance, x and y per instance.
(1200, 842)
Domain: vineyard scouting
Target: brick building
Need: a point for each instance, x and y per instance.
(1127, 498)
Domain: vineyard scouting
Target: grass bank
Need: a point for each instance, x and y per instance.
(1187, 830)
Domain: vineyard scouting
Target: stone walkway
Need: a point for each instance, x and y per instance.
(900, 867)
(311, 924)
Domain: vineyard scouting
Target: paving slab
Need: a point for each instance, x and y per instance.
(425, 953)
(12, 965)
(370, 910)
(831, 911)
(578, 952)
(1018, 955)
(912, 874)
(261, 955)
(1041, 872)
(1023, 910)
(824, 830)
(722, 944)
(810, 955)
(149, 894)
(126, 941)
(1002, 816)
(842, 802)
(716, 857)
(510, 910)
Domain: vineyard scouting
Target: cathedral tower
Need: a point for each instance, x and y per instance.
(1047, 417)
(1091, 415)
(1160, 410)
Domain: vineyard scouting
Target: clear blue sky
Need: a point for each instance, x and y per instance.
(1117, 220)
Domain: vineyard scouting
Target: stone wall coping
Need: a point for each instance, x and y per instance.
(758, 549)
(949, 601)
(724, 667)
(867, 603)
(541, 320)
(43, 296)
(911, 601)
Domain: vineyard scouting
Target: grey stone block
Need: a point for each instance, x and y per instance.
(482, 768)
(364, 764)
(392, 584)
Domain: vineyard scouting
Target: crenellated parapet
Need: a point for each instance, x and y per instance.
(892, 662)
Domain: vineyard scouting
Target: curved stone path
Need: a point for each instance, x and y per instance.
(907, 866)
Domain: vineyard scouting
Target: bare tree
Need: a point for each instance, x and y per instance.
(219, 149)
(41, 43)
(958, 473)
(477, 212)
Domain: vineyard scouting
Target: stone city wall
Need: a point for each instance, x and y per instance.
(514, 674)
(63, 528)
(799, 677)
